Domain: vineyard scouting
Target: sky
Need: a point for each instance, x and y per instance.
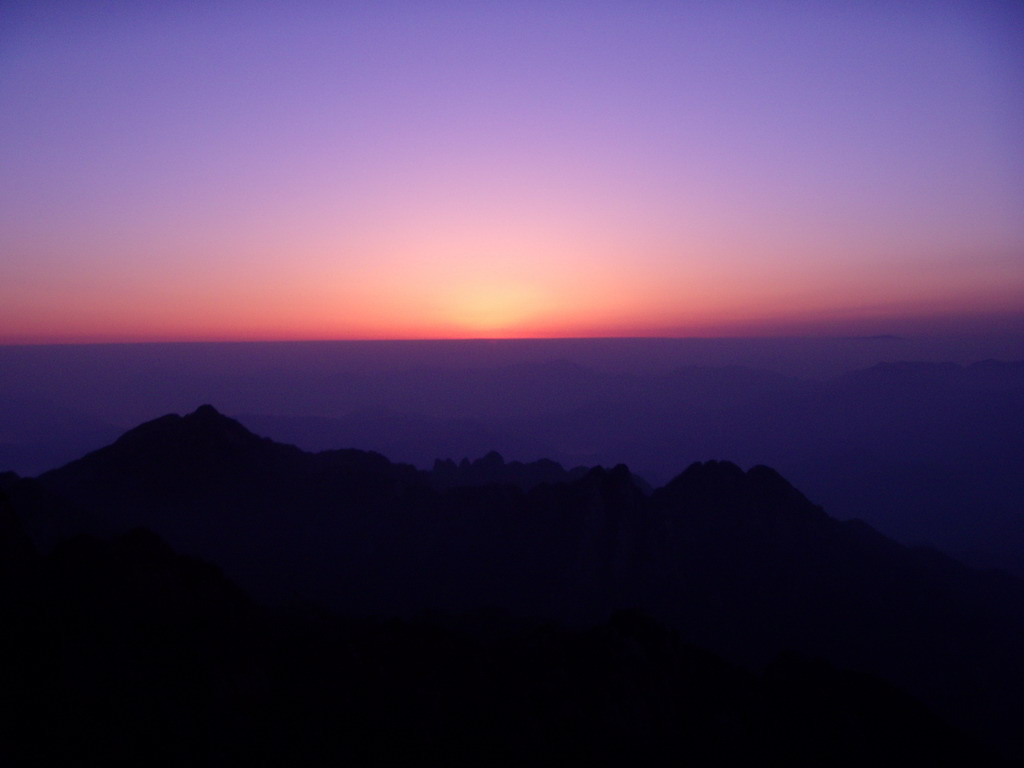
(332, 170)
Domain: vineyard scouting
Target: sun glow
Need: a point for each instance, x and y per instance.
(493, 309)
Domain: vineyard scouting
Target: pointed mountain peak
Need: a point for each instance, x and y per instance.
(205, 423)
(209, 419)
(724, 485)
(205, 411)
(203, 442)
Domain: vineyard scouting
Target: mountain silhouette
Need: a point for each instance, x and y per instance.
(739, 562)
(123, 652)
(928, 453)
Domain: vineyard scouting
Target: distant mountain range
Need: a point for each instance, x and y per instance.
(737, 562)
(928, 453)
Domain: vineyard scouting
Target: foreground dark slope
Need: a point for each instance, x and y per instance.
(736, 561)
(121, 652)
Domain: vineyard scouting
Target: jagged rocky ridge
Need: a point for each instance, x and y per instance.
(738, 562)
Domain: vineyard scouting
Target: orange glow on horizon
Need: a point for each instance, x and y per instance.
(490, 325)
(523, 288)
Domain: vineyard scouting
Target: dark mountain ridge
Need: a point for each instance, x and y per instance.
(738, 562)
(122, 652)
(927, 452)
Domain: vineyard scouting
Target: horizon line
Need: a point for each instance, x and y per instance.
(518, 339)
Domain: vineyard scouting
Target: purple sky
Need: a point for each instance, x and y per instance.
(246, 170)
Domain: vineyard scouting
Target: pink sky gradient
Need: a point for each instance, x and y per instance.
(454, 169)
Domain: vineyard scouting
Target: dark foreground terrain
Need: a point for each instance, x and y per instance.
(483, 612)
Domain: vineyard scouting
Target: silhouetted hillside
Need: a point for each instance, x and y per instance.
(927, 452)
(738, 562)
(121, 652)
(908, 446)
